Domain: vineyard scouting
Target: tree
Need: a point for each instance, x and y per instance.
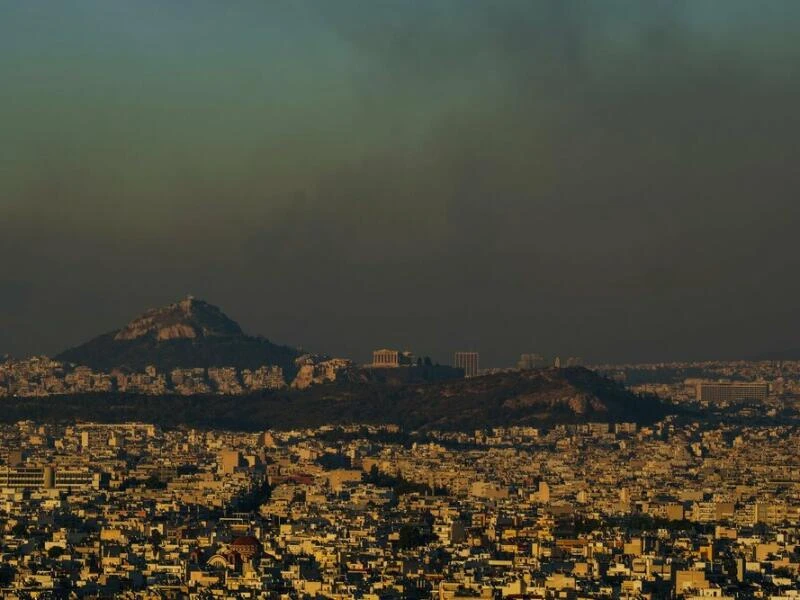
(155, 538)
(55, 552)
(410, 537)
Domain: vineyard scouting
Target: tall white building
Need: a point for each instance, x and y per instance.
(467, 361)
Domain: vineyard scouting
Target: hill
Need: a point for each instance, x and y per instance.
(535, 398)
(190, 333)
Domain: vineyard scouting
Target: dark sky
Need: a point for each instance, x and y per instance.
(617, 180)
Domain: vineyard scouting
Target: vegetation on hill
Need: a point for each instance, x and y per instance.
(535, 398)
(105, 353)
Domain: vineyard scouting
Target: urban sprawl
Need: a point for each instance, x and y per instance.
(684, 508)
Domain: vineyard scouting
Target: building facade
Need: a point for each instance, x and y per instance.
(467, 361)
(49, 478)
(531, 361)
(385, 358)
(392, 358)
(733, 392)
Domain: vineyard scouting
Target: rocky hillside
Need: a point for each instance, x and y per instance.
(187, 319)
(190, 333)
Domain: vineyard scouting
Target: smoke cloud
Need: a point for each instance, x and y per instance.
(613, 180)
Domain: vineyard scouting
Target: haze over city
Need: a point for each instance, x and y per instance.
(610, 179)
(399, 299)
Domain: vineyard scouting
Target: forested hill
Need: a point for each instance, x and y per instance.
(536, 398)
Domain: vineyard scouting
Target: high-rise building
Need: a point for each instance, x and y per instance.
(544, 492)
(467, 361)
(738, 391)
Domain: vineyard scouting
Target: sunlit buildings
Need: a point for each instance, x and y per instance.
(391, 358)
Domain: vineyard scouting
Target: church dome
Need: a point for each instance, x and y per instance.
(246, 546)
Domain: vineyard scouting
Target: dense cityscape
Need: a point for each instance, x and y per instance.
(510, 293)
(699, 499)
(584, 512)
(684, 507)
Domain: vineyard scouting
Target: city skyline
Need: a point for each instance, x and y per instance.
(547, 356)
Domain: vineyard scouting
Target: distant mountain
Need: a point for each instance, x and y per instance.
(189, 333)
(539, 398)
